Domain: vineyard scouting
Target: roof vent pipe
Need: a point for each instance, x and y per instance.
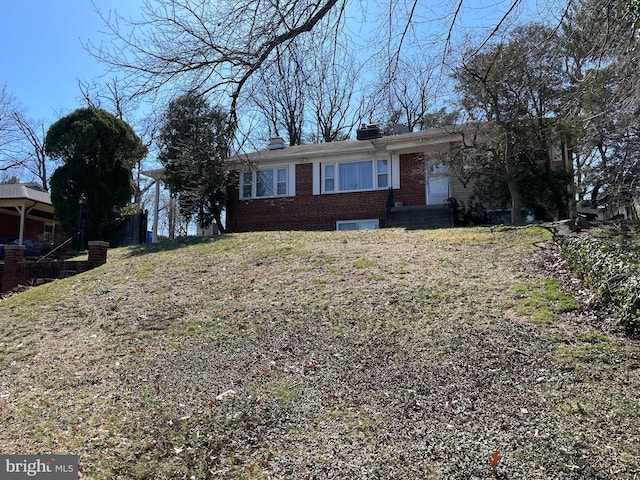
(276, 143)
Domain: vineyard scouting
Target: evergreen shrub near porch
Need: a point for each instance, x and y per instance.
(612, 271)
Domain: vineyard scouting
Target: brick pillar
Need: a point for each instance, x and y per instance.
(13, 271)
(98, 253)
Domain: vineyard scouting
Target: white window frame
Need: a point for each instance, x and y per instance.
(247, 180)
(49, 233)
(285, 186)
(375, 180)
(380, 174)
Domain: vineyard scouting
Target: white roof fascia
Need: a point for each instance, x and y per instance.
(156, 173)
(353, 149)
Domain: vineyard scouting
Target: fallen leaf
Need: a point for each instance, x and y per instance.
(494, 459)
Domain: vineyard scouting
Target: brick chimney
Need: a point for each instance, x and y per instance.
(276, 143)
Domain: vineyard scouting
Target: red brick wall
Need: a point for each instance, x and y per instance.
(13, 269)
(412, 187)
(33, 229)
(306, 211)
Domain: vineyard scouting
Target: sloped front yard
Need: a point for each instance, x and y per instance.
(347, 355)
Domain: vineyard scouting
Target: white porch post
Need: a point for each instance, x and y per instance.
(23, 213)
(156, 209)
(158, 176)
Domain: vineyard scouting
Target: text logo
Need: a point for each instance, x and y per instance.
(50, 467)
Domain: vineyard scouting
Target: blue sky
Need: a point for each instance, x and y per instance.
(42, 55)
(41, 52)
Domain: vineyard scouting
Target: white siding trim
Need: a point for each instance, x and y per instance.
(395, 170)
(316, 178)
(291, 188)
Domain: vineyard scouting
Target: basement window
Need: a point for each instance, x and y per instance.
(369, 224)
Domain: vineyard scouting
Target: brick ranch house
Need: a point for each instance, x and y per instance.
(405, 180)
(26, 213)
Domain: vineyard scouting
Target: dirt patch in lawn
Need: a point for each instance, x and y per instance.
(384, 354)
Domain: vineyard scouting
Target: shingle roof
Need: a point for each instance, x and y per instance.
(22, 191)
(412, 141)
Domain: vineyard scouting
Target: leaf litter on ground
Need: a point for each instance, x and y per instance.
(381, 354)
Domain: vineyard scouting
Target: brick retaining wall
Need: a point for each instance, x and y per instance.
(16, 271)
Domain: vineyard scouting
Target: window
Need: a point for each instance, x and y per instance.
(281, 181)
(49, 232)
(372, 224)
(353, 176)
(264, 184)
(247, 184)
(330, 178)
(271, 182)
(383, 174)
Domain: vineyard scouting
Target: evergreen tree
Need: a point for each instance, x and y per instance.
(98, 151)
(194, 143)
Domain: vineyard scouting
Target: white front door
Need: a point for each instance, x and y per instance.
(438, 184)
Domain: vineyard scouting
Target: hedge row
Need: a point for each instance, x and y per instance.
(612, 272)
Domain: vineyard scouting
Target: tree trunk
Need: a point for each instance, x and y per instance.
(516, 201)
(219, 224)
(509, 176)
(553, 185)
(171, 218)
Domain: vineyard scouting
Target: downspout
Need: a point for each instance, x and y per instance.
(390, 201)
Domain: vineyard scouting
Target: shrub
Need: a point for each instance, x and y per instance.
(612, 271)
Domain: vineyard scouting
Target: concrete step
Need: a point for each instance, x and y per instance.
(420, 217)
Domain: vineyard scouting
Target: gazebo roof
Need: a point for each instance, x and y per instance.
(27, 199)
(10, 193)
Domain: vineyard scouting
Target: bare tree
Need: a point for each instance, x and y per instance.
(280, 94)
(331, 90)
(111, 96)
(217, 47)
(21, 141)
(600, 46)
(9, 133)
(33, 159)
(307, 94)
(209, 46)
(406, 94)
(516, 86)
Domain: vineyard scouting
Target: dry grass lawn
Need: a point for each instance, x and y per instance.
(384, 354)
